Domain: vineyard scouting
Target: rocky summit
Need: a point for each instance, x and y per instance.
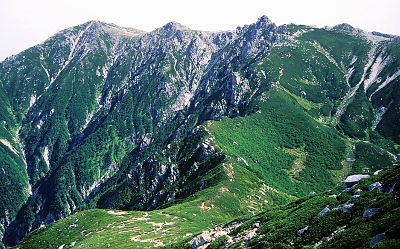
(263, 137)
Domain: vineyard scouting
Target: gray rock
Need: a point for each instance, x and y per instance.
(353, 179)
(345, 190)
(357, 191)
(251, 235)
(377, 172)
(301, 231)
(200, 240)
(377, 238)
(369, 212)
(374, 186)
(352, 198)
(346, 207)
(341, 229)
(324, 211)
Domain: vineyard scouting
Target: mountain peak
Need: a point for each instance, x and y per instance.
(175, 26)
(264, 20)
(344, 27)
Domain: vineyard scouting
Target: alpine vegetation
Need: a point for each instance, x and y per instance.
(179, 138)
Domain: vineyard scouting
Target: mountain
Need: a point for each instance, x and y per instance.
(194, 127)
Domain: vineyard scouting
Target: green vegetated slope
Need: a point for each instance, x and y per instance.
(283, 145)
(14, 187)
(121, 123)
(234, 190)
(260, 148)
(364, 216)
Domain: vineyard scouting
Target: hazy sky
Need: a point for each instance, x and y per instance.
(24, 23)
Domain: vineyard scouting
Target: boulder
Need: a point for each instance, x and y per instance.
(200, 240)
(374, 186)
(301, 231)
(369, 212)
(377, 238)
(353, 180)
(346, 207)
(251, 235)
(377, 172)
(341, 229)
(324, 211)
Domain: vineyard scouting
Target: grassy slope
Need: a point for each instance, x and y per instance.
(283, 145)
(278, 227)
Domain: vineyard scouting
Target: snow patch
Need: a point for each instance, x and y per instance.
(46, 156)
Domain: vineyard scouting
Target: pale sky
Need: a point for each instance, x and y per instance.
(25, 23)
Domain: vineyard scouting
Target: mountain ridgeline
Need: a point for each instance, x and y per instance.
(228, 123)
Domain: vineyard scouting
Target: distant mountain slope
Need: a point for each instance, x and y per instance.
(100, 116)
